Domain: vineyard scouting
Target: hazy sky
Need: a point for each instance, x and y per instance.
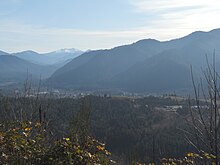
(46, 25)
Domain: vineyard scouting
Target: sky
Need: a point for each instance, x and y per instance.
(48, 25)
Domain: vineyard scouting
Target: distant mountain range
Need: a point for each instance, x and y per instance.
(15, 67)
(145, 66)
(57, 57)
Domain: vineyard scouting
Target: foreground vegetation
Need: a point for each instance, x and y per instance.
(46, 130)
(40, 129)
(33, 142)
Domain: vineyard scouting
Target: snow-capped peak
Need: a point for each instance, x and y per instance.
(71, 50)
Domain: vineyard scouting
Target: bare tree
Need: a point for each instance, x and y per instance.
(204, 120)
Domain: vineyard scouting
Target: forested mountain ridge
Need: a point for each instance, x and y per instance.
(145, 66)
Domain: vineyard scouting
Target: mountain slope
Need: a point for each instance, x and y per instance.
(170, 69)
(15, 69)
(154, 75)
(3, 53)
(93, 68)
(147, 65)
